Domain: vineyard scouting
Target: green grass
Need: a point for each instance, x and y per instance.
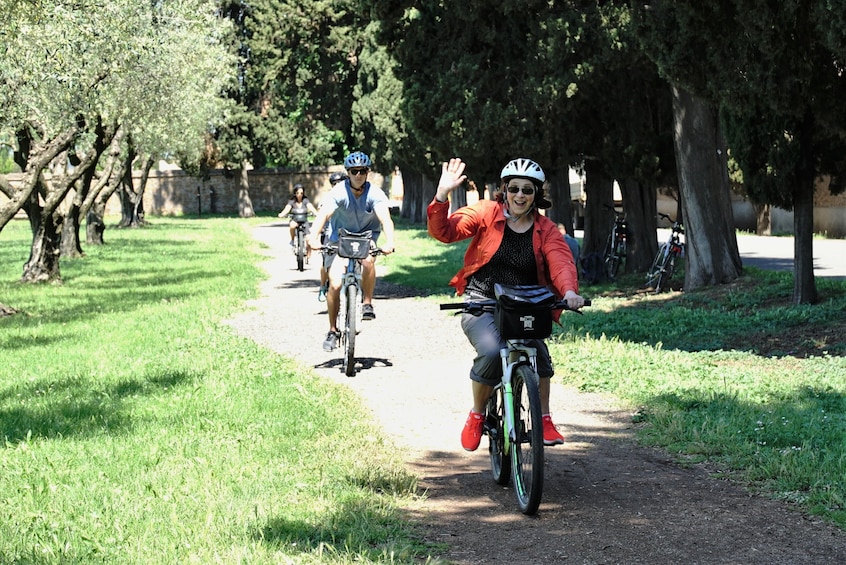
(137, 428)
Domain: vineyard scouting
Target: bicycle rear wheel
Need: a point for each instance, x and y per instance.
(300, 249)
(494, 427)
(350, 321)
(527, 452)
(667, 271)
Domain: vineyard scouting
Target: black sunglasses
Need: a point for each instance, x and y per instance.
(358, 171)
(527, 190)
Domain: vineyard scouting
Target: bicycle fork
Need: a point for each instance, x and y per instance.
(511, 359)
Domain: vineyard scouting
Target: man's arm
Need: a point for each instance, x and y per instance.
(383, 212)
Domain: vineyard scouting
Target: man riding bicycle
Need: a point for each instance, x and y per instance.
(355, 206)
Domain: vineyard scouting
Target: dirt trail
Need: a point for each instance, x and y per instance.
(606, 500)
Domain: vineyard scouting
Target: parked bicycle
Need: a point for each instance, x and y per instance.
(354, 247)
(664, 265)
(513, 413)
(300, 239)
(615, 247)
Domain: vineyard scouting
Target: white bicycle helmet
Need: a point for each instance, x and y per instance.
(527, 169)
(523, 168)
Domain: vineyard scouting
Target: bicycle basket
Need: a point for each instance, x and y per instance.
(523, 312)
(354, 245)
(299, 218)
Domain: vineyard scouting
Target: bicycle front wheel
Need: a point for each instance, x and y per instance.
(527, 452)
(495, 428)
(612, 266)
(654, 272)
(300, 249)
(350, 321)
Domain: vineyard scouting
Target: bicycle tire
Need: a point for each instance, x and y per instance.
(527, 452)
(350, 321)
(612, 266)
(667, 271)
(655, 270)
(495, 428)
(300, 249)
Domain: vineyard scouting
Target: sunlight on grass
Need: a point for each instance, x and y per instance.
(137, 428)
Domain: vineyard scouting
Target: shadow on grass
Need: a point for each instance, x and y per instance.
(76, 407)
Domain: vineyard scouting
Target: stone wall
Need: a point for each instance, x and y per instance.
(174, 192)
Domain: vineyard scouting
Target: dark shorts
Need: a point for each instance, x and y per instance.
(485, 339)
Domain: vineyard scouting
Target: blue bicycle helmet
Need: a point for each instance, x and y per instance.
(357, 159)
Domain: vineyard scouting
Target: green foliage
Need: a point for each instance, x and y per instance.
(137, 428)
(788, 51)
(157, 70)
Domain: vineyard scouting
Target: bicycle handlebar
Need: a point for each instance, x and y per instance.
(478, 306)
(333, 249)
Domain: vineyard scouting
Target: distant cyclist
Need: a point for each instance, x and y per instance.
(355, 206)
(298, 204)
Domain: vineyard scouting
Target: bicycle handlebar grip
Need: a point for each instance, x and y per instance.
(453, 306)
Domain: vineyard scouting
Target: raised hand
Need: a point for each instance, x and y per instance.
(452, 175)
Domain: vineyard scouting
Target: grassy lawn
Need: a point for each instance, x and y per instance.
(138, 428)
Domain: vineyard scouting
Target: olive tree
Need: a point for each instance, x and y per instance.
(74, 73)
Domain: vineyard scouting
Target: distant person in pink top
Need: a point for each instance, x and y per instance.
(512, 244)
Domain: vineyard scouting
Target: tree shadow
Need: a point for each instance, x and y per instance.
(77, 407)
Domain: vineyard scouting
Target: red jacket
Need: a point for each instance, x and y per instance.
(485, 223)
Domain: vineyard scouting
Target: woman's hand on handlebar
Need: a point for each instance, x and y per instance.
(574, 301)
(387, 249)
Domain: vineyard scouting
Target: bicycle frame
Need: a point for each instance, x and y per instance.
(350, 306)
(513, 417)
(514, 354)
(300, 230)
(663, 266)
(615, 247)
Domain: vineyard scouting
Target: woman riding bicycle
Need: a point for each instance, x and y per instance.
(512, 244)
(298, 204)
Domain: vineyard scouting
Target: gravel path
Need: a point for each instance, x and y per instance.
(606, 500)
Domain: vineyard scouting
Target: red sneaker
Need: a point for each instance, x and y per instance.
(550, 433)
(471, 435)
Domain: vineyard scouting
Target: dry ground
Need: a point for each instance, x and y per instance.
(606, 500)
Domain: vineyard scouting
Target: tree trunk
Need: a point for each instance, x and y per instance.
(804, 284)
(763, 219)
(418, 192)
(711, 256)
(94, 225)
(245, 204)
(599, 191)
(43, 263)
(70, 247)
(559, 194)
(639, 203)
